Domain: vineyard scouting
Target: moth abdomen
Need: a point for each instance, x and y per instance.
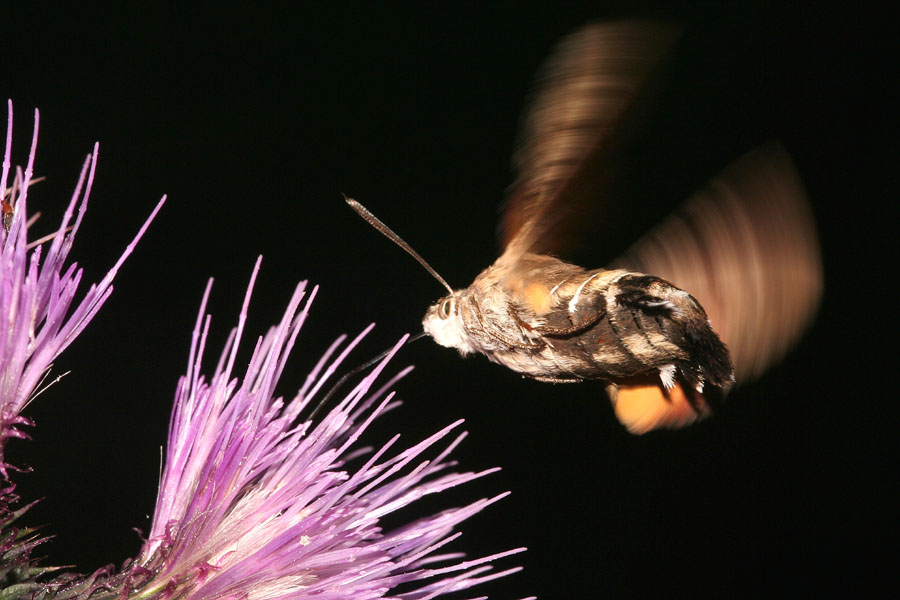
(663, 325)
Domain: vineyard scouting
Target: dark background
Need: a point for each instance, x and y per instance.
(255, 118)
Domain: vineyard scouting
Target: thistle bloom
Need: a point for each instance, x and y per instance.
(37, 292)
(256, 504)
(256, 501)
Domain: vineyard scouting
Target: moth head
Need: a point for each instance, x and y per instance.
(445, 324)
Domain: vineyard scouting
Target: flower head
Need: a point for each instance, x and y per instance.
(40, 317)
(38, 307)
(255, 502)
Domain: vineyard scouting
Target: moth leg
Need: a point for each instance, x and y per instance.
(555, 331)
(572, 329)
(503, 339)
(511, 342)
(554, 379)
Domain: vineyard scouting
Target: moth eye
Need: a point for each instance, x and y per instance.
(446, 308)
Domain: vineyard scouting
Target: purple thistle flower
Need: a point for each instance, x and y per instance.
(256, 504)
(40, 314)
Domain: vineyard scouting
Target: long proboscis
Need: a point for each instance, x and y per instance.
(389, 234)
(340, 382)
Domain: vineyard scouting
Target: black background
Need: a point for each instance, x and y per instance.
(254, 118)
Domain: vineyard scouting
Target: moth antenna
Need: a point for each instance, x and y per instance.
(386, 232)
(324, 401)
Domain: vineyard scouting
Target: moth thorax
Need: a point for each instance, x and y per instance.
(444, 323)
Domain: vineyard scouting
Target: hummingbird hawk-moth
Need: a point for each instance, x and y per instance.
(744, 248)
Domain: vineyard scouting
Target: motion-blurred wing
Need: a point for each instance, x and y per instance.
(746, 248)
(588, 94)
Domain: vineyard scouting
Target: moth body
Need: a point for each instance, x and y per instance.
(554, 321)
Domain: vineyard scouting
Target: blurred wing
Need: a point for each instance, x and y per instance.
(746, 248)
(643, 408)
(587, 95)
